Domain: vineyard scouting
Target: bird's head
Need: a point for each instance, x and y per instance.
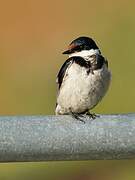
(82, 46)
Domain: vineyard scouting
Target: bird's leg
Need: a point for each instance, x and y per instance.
(77, 116)
(92, 115)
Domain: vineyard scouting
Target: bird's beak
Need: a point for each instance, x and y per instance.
(71, 48)
(67, 51)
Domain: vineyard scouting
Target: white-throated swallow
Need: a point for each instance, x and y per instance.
(83, 79)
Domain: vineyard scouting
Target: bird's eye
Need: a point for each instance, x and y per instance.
(81, 46)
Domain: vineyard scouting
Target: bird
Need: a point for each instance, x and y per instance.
(83, 79)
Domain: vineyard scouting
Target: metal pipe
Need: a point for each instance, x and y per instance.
(45, 138)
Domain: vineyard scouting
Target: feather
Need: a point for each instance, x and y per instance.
(75, 59)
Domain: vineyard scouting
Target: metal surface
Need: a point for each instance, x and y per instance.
(44, 138)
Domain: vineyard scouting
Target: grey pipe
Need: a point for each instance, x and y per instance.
(45, 138)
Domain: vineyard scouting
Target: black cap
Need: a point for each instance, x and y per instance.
(81, 43)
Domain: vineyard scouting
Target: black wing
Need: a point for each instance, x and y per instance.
(62, 71)
(78, 60)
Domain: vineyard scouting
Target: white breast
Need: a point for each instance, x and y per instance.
(81, 91)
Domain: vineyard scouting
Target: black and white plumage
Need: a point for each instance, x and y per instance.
(83, 79)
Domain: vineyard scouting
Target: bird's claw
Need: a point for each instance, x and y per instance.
(92, 115)
(78, 116)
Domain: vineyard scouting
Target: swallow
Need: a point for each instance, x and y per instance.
(83, 79)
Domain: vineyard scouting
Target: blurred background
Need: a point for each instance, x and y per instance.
(33, 35)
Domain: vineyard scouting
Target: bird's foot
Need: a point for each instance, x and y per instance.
(77, 116)
(92, 115)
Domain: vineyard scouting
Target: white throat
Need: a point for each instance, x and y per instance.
(85, 53)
